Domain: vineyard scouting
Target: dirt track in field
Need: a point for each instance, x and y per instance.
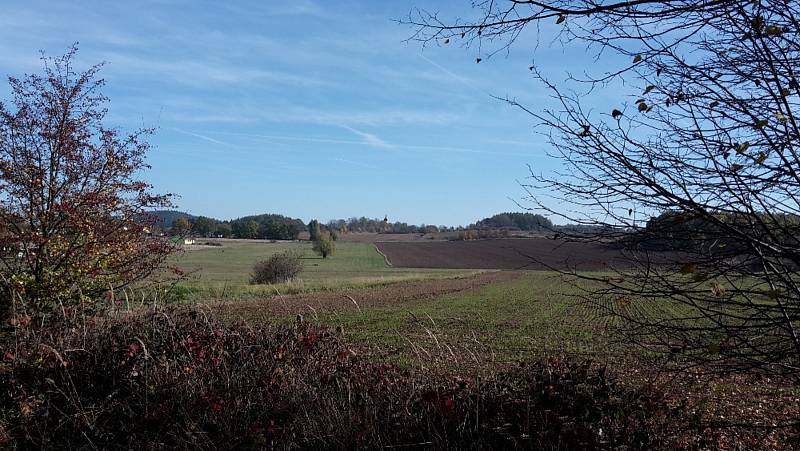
(533, 253)
(350, 300)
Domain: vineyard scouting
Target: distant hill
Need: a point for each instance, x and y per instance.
(521, 221)
(168, 217)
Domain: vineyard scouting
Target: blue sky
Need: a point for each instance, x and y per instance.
(304, 108)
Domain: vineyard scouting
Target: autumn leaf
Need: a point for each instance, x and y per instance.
(561, 19)
(616, 114)
(742, 148)
(774, 30)
(637, 59)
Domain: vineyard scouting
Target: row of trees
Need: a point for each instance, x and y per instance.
(375, 225)
(519, 221)
(278, 227)
(272, 227)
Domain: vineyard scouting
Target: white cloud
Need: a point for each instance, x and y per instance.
(203, 137)
(367, 138)
(202, 73)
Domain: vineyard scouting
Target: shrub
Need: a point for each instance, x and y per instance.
(184, 380)
(324, 246)
(180, 379)
(74, 214)
(279, 268)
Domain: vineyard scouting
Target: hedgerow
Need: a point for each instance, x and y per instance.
(181, 379)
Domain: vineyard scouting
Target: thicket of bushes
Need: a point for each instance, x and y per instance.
(480, 234)
(184, 380)
(521, 221)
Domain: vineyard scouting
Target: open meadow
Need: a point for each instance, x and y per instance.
(505, 315)
(447, 321)
(223, 271)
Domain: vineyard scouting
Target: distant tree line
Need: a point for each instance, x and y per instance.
(265, 226)
(279, 227)
(528, 222)
(375, 225)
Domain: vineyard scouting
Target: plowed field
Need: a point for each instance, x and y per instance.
(534, 253)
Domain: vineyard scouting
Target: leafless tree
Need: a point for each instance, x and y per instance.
(695, 178)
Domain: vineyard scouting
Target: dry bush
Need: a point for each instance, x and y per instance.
(183, 380)
(279, 268)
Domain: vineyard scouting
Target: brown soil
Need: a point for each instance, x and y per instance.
(312, 304)
(533, 253)
(369, 237)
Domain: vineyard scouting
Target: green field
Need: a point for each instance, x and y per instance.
(476, 330)
(536, 314)
(225, 271)
(531, 315)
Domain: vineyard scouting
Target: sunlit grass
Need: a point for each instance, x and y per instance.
(224, 272)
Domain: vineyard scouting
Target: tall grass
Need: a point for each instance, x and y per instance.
(181, 379)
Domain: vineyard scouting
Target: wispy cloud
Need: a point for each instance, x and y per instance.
(355, 163)
(203, 137)
(308, 139)
(243, 114)
(368, 138)
(459, 78)
(203, 73)
(513, 142)
(382, 143)
(293, 8)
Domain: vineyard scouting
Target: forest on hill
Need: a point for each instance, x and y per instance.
(280, 227)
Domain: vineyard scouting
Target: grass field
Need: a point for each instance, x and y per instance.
(533, 314)
(224, 272)
(449, 328)
(507, 321)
